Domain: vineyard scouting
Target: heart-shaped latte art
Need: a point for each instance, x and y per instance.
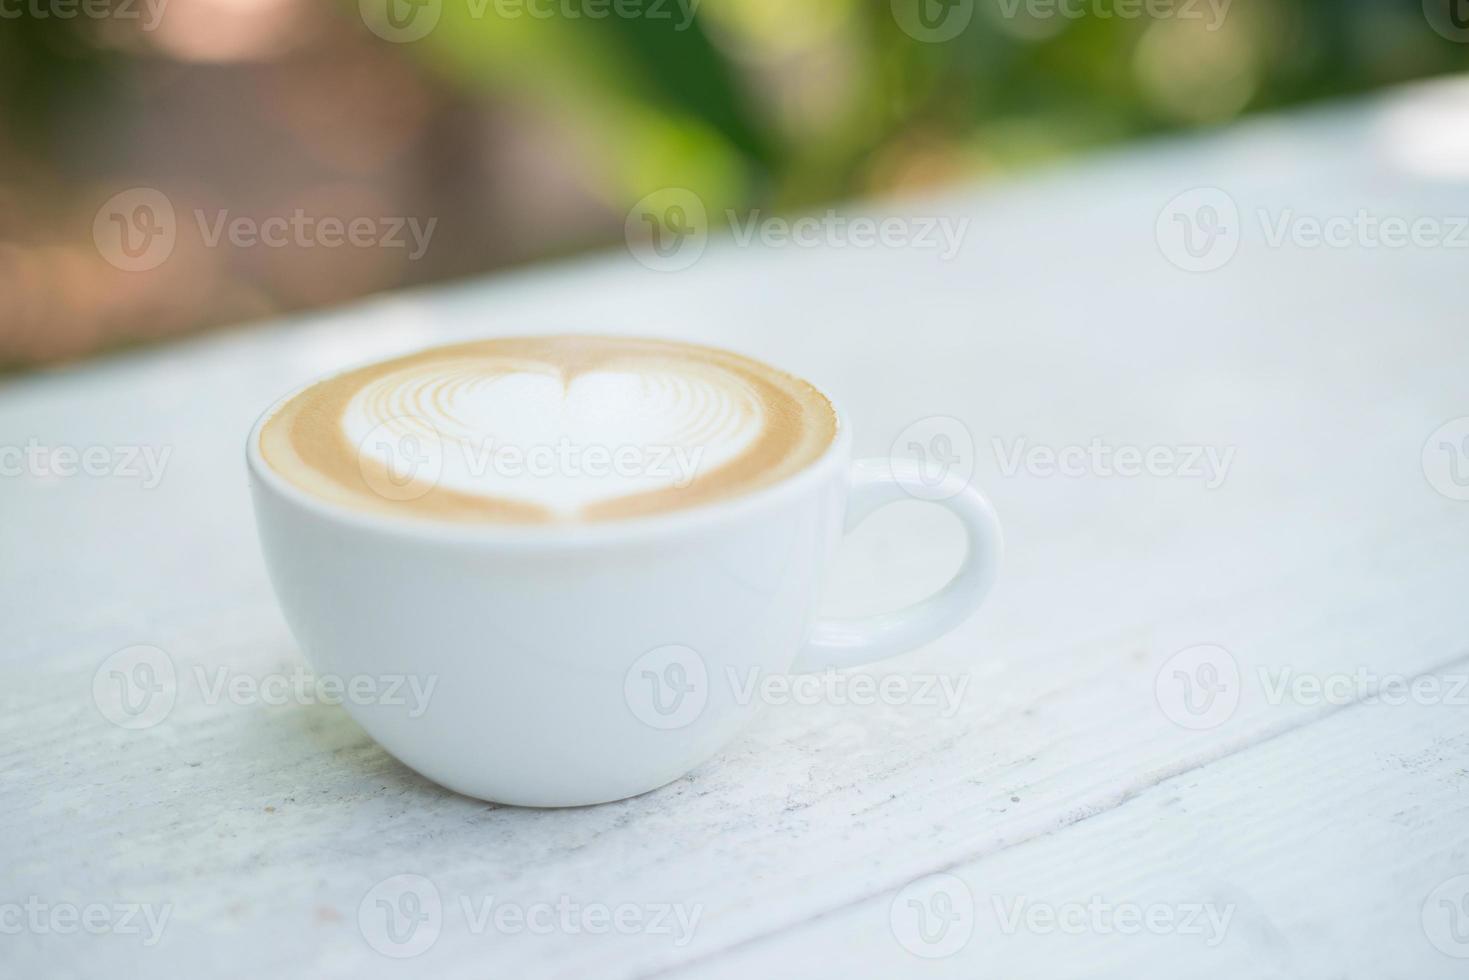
(548, 429)
(530, 434)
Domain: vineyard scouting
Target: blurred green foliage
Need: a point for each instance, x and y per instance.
(529, 128)
(759, 101)
(764, 101)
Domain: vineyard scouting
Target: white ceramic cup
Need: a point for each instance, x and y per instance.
(580, 664)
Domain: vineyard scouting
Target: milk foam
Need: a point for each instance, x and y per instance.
(547, 430)
(537, 437)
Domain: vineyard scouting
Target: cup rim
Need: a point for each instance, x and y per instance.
(428, 528)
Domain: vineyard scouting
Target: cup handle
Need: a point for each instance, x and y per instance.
(875, 484)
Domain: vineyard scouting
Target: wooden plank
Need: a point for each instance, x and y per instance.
(1340, 849)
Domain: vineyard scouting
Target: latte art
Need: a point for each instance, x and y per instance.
(548, 429)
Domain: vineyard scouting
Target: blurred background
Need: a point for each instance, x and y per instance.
(526, 129)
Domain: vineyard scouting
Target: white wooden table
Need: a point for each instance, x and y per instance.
(1086, 815)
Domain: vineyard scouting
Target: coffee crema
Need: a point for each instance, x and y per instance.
(557, 429)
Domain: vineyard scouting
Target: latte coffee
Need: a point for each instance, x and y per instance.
(537, 430)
